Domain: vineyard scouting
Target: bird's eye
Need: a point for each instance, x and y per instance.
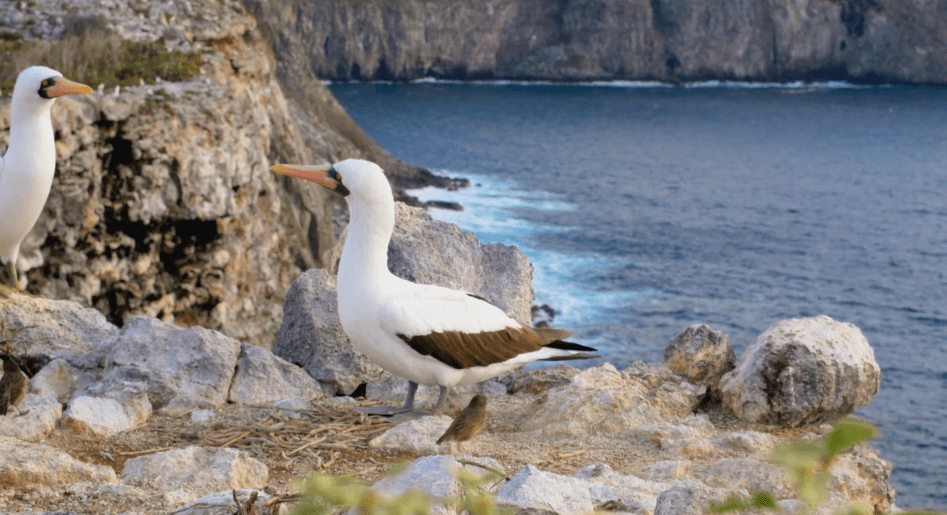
(46, 83)
(335, 175)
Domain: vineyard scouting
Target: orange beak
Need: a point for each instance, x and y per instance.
(65, 87)
(322, 175)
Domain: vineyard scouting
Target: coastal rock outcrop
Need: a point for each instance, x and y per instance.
(803, 371)
(163, 204)
(645, 441)
(862, 40)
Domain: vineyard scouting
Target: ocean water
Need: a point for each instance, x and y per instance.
(646, 208)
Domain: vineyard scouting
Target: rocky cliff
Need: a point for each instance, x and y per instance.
(163, 204)
(668, 40)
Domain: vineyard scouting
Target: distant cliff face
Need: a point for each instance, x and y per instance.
(672, 40)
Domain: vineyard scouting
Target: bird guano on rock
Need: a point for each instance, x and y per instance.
(26, 170)
(426, 334)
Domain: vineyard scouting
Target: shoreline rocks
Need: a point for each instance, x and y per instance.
(687, 451)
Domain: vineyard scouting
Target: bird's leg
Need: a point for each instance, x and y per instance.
(409, 398)
(394, 410)
(441, 399)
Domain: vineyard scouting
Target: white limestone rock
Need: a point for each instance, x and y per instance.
(58, 380)
(263, 378)
(419, 435)
(222, 502)
(620, 492)
(180, 369)
(311, 336)
(684, 498)
(33, 421)
(803, 371)
(199, 469)
(533, 489)
(26, 465)
(433, 476)
(106, 416)
(701, 354)
(46, 330)
(747, 474)
(603, 399)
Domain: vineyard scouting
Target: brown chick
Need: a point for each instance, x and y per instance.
(13, 385)
(468, 423)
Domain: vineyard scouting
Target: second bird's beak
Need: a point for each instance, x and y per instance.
(323, 175)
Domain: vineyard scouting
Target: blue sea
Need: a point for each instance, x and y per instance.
(647, 208)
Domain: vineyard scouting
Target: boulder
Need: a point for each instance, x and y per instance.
(36, 419)
(27, 466)
(417, 436)
(311, 336)
(701, 354)
(199, 469)
(223, 502)
(684, 498)
(803, 371)
(180, 369)
(263, 379)
(47, 330)
(602, 399)
(533, 490)
(620, 492)
(106, 416)
(434, 477)
(58, 380)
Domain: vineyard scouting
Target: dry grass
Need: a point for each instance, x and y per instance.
(97, 59)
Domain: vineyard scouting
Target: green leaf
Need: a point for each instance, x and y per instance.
(848, 433)
(764, 500)
(801, 454)
(731, 503)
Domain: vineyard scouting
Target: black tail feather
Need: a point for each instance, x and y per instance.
(584, 352)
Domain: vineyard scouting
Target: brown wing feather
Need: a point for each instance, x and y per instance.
(465, 350)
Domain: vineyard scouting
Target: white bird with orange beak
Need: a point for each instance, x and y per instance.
(423, 333)
(26, 170)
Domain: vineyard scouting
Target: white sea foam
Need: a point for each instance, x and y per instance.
(638, 84)
(491, 208)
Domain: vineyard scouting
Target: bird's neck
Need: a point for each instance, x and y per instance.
(31, 138)
(363, 268)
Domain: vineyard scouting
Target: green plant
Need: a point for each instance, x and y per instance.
(322, 494)
(807, 463)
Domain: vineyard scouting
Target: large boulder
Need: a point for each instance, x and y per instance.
(311, 336)
(604, 400)
(180, 369)
(803, 371)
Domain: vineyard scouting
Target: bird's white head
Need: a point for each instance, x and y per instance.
(355, 179)
(39, 85)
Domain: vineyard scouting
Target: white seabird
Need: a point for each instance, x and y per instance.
(26, 171)
(426, 334)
